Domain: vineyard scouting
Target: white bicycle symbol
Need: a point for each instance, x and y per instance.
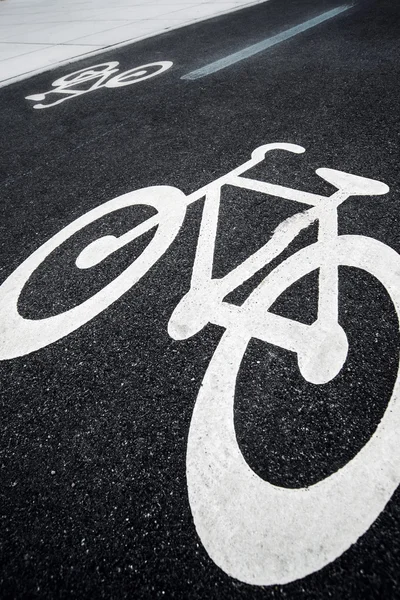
(75, 84)
(256, 532)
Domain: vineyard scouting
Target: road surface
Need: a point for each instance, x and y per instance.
(244, 444)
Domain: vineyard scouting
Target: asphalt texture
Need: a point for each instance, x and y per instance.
(93, 494)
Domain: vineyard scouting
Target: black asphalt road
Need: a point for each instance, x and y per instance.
(93, 494)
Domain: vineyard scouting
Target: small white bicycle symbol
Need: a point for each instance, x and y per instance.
(256, 532)
(75, 84)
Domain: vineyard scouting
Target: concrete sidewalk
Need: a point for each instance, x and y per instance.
(37, 35)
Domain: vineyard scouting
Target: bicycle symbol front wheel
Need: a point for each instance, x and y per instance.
(20, 336)
(260, 533)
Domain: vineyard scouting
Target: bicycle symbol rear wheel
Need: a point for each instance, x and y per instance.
(262, 534)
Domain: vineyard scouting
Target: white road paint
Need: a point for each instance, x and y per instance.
(245, 53)
(75, 84)
(37, 39)
(19, 336)
(256, 532)
(264, 534)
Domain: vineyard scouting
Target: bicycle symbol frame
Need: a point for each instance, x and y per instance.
(74, 84)
(256, 532)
